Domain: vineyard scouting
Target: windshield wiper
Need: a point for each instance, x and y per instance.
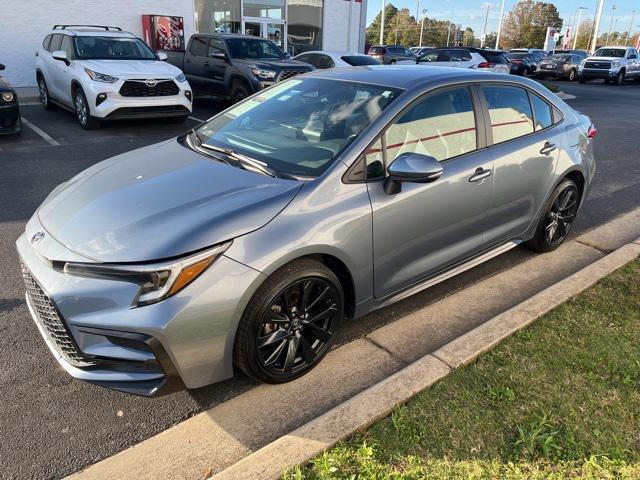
(247, 163)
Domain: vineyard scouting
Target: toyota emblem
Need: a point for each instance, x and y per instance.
(152, 82)
(37, 237)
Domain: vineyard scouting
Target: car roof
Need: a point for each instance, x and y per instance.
(404, 76)
(334, 53)
(90, 31)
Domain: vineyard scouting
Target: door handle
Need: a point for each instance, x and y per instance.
(206, 64)
(548, 148)
(480, 174)
(187, 60)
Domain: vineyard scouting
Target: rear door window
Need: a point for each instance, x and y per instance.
(509, 111)
(198, 47)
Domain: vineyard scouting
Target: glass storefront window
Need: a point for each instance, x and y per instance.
(264, 8)
(304, 29)
(219, 16)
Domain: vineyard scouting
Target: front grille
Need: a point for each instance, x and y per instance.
(48, 318)
(154, 111)
(598, 65)
(286, 74)
(163, 88)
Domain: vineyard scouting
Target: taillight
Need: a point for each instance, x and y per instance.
(592, 132)
(486, 65)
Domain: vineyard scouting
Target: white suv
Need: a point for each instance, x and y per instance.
(102, 73)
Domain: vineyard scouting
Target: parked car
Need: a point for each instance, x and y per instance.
(245, 242)
(233, 66)
(392, 54)
(102, 73)
(560, 65)
(467, 57)
(419, 51)
(10, 121)
(522, 64)
(580, 53)
(613, 64)
(324, 60)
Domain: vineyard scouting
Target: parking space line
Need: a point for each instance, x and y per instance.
(196, 119)
(40, 132)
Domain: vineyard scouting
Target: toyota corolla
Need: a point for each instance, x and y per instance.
(245, 243)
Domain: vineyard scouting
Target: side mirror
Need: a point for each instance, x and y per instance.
(61, 55)
(162, 56)
(411, 167)
(2, 67)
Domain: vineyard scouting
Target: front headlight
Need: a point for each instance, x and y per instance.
(181, 78)
(157, 282)
(264, 74)
(100, 77)
(8, 97)
(616, 64)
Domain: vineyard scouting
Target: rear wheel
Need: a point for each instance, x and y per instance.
(556, 221)
(83, 114)
(43, 92)
(289, 323)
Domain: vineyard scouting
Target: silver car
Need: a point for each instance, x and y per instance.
(245, 243)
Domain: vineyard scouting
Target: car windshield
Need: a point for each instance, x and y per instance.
(297, 128)
(359, 60)
(610, 52)
(253, 48)
(112, 48)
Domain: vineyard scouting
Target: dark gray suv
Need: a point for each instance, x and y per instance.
(391, 54)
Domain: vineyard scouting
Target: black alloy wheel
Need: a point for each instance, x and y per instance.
(556, 222)
(290, 322)
(239, 92)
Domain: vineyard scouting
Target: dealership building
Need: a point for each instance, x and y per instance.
(295, 25)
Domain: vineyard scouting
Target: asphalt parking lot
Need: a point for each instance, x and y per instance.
(52, 425)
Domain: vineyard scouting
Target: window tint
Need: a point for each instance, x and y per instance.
(67, 46)
(198, 47)
(430, 57)
(321, 61)
(216, 47)
(442, 126)
(541, 112)
(359, 60)
(494, 57)
(510, 112)
(56, 40)
(45, 42)
(375, 161)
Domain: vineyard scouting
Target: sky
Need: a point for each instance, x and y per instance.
(471, 12)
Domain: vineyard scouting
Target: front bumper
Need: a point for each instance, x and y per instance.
(183, 341)
(10, 118)
(116, 106)
(588, 73)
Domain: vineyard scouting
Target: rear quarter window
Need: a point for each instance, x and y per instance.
(494, 57)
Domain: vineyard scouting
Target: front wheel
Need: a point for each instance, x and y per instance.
(558, 217)
(572, 75)
(83, 114)
(239, 92)
(619, 78)
(290, 322)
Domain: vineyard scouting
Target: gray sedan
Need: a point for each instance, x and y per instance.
(246, 242)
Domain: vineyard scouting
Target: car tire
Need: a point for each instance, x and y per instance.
(392, 62)
(82, 111)
(558, 215)
(43, 92)
(619, 78)
(239, 91)
(276, 346)
(572, 75)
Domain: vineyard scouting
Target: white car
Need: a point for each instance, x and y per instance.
(467, 57)
(324, 60)
(102, 73)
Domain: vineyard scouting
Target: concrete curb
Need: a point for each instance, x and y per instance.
(380, 399)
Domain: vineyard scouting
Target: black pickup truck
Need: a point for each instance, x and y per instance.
(234, 66)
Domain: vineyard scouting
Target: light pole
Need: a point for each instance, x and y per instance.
(576, 30)
(626, 39)
(424, 14)
(499, 26)
(613, 16)
(382, 25)
(484, 30)
(450, 23)
(596, 25)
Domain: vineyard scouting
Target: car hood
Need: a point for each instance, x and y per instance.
(605, 59)
(159, 202)
(133, 68)
(284, 63)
